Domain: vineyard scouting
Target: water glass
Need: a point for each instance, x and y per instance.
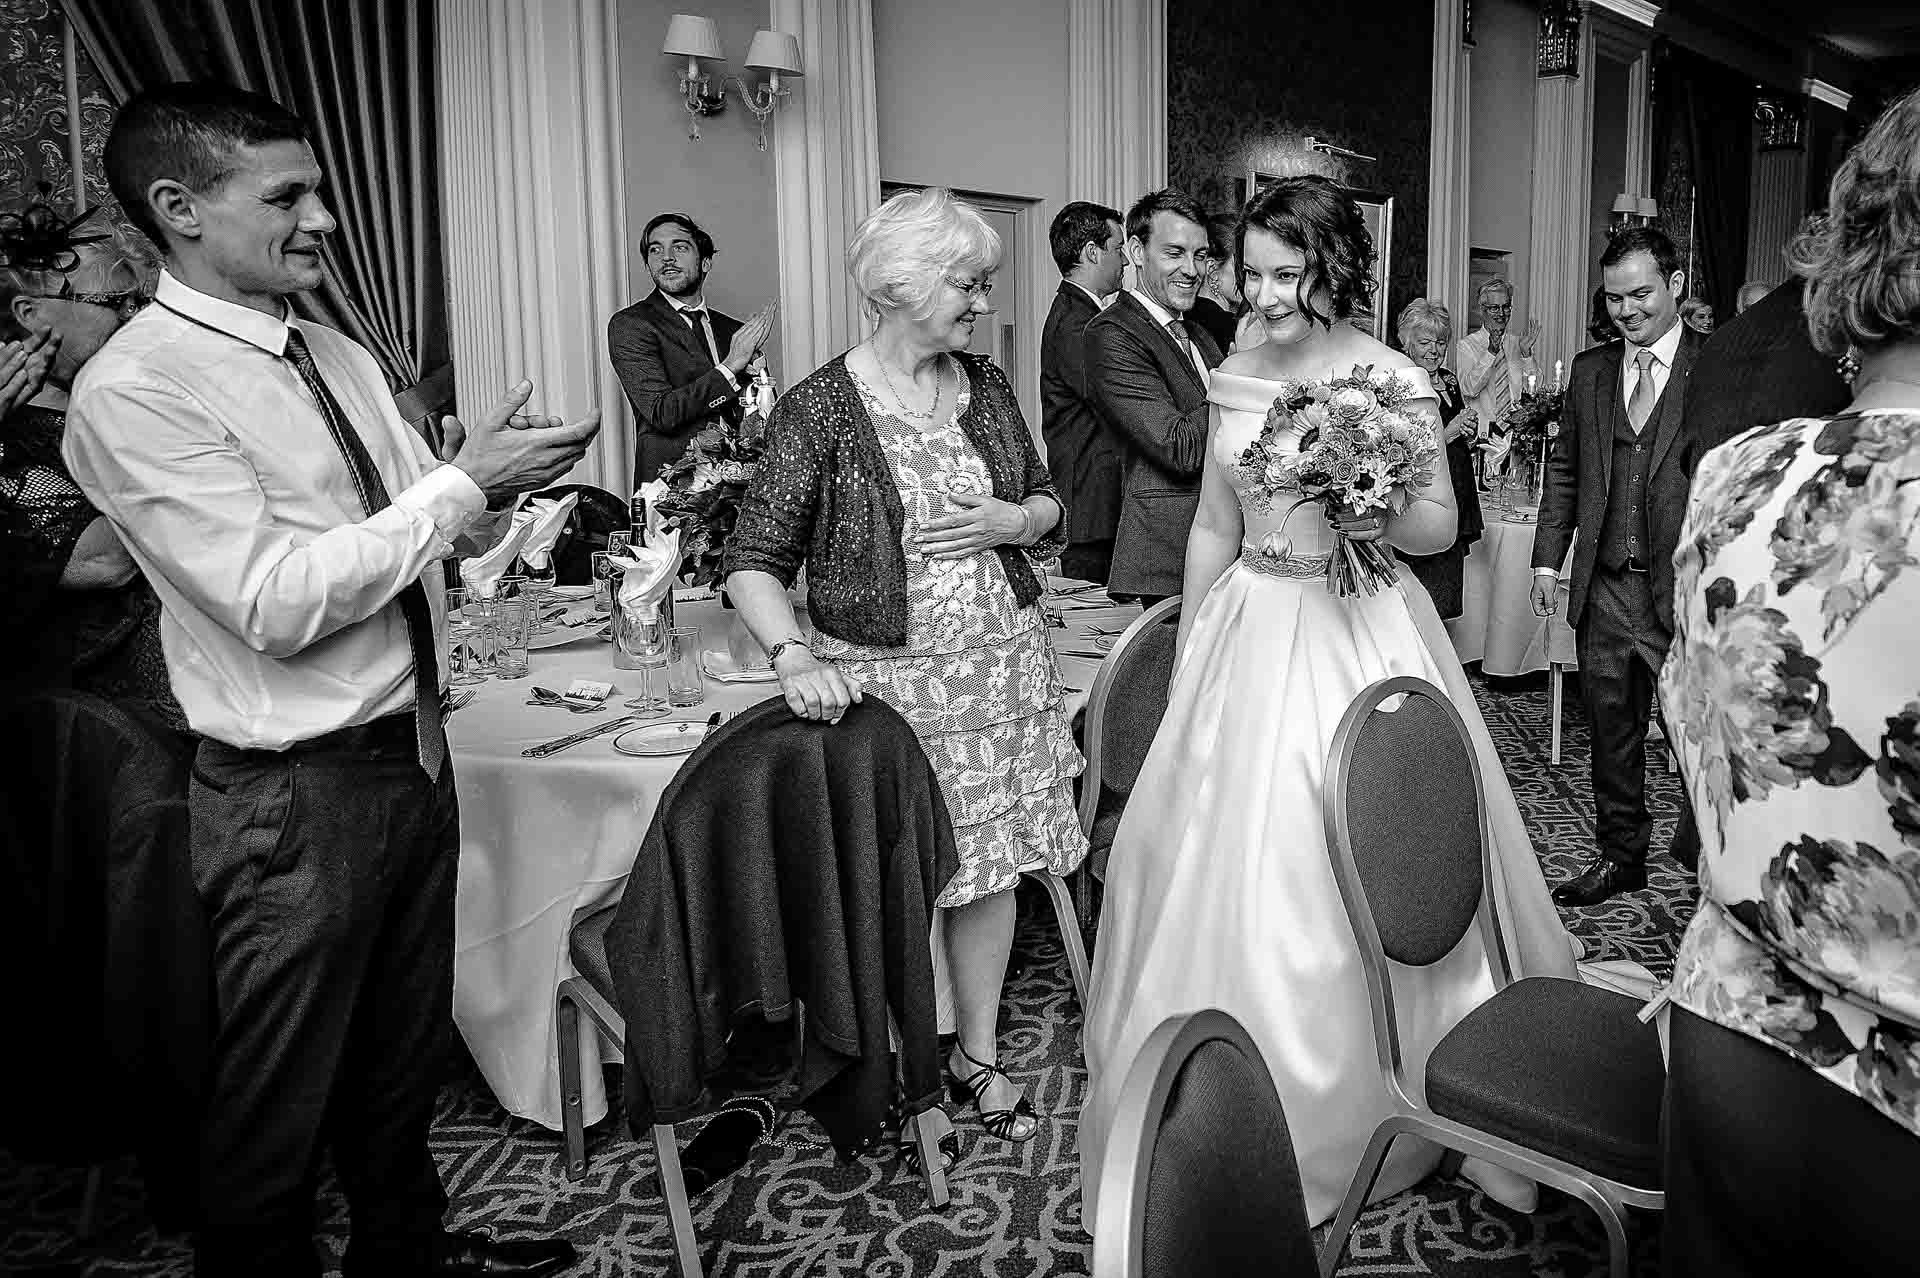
(539, 590)
(603, 575)
(466, 640)
(511, 622)
(641, 645)
(686, 682)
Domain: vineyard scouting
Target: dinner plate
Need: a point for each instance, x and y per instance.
(669, 736)
(719, 665)
(560, 636)
(570, 592)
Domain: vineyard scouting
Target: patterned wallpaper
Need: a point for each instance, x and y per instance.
(33, 110)
(1248, 80)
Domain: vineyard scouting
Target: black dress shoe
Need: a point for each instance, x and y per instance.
(473, 1255)
(1600, 880)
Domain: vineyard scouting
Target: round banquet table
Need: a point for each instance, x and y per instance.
(546, 841)
(1496, 625)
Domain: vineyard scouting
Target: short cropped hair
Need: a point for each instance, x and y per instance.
(1495, 285)
(1074, 227)
(1165, 200)
(187, 132)
(1424, 318)
(1861, 258)
(702, 242)
(1650, 240)
(899, 253)
(1314, 215)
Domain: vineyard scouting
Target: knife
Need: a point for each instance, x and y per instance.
(546, 748)
(713, 725)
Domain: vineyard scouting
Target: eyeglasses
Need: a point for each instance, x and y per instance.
(126, 303)
(978, 290)
(1491, 309)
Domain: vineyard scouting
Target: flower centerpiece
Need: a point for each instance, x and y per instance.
(1525, 428)
(1348, 443)
(701, 491)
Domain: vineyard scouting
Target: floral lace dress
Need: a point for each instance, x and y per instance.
(1793, 689)
(976, 678)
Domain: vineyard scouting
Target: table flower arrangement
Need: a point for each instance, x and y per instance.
(701, 492)
(1347, 443)
(1524, 432)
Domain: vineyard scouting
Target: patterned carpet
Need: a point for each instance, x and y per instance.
(1016, 1209)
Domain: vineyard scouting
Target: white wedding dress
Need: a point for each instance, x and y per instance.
(1218, 890)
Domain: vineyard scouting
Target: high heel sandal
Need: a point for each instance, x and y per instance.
(998, 1122)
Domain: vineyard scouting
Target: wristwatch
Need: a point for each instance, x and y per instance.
(773, 653)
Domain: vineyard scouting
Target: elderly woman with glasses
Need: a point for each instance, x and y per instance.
(78, 612)
(1426, 331)
(903, 476)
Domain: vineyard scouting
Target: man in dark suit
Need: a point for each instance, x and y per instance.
(682, 363)
(1084, 457)
(1618, 475)
(1147, 375)
(1759, 368)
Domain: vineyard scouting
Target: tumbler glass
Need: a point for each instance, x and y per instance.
(539, 590)
(603, 575)
(466, 640)
(512, 626)
(686, 682)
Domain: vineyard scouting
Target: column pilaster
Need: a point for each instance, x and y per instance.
(1562, 176)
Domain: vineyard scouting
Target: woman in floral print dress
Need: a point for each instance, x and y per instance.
(1793, 687)
(904, 475)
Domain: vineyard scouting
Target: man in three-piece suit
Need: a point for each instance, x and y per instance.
(1147, 373)
(1758, 368)
(683, 364)
(1618, 475)
(1083, 455)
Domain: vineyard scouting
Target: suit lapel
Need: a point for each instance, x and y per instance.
(1671, 397)
(1613, 411)
(675, 324)
(1171, 356)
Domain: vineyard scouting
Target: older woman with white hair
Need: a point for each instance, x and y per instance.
(902, 474)
(1426, 331)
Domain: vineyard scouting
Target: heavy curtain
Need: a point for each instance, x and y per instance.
(360, 72)
(1706, 110)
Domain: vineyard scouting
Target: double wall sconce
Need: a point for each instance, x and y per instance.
(696, 38)
(1631, 210)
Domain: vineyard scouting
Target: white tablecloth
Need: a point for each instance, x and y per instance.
(545, 841)
(1496, 625)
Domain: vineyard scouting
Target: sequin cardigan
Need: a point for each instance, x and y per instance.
(825, 494)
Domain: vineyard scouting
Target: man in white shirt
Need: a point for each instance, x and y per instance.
(293, 525)
(1492, 362)
(1618, 475)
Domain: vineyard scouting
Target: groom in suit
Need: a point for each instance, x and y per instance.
(1618, 475)
(1146, 371)
(682, 363)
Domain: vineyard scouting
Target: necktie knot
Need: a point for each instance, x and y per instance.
(296, 349)
(1178, 327)
(1644, 359)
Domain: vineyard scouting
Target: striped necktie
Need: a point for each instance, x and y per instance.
(1502, 383)
(430, 727)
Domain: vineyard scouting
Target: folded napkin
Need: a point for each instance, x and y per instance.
(646, 575)
(658, 523)
(549, 517)
(481, 574)
(1496, 447)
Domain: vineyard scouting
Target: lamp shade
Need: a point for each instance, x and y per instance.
(1629, 204)
(774, 51)
(1649, 207)
(692, 36)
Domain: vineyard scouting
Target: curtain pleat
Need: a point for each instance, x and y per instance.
(360, 72)
(1718, 111)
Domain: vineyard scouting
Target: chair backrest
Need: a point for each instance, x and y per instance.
(597, 513)
(1403, 805)
(1126, 702)
(1199, 1175)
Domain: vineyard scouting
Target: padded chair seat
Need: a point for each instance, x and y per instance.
(588, 944)
(1561, 1067)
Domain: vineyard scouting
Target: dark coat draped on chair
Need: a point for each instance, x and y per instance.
(789, 861)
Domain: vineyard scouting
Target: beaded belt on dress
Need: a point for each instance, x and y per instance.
(1285, 564)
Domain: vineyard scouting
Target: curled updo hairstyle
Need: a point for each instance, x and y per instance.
(897, 256)
(1314, 215)
(1861, 258)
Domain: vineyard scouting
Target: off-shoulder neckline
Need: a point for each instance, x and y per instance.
(1255, 394)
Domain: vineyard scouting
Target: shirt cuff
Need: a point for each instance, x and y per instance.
(1547, 572)
(447, 496)
(727, 373)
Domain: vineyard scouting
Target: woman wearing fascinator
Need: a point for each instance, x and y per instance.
(79, 614)
(1219, 890)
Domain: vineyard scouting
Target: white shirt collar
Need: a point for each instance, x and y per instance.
(1663, 350)
(684, 307)
(1161, 315)
(1099, 301)
(243, 322)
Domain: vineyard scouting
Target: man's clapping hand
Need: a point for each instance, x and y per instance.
(747, 342)
(509, 451)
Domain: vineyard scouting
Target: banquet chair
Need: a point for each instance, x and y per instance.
(1199, 1175)
(1124, 708)
(597, 513)
(1556, 1080)
(725, 879)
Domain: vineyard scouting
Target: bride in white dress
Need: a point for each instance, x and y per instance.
(1218, 891)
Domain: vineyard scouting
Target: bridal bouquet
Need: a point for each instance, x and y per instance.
(705, 486)
(1356, 449)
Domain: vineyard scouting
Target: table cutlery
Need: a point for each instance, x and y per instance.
(714, 721)
(579, 705)
(1084, 587)
(546, 748)
(1079, 652)
(459, 699)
